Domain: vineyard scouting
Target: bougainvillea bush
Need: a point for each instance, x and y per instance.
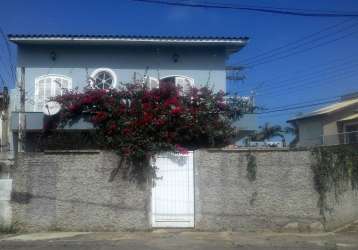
(137, 122)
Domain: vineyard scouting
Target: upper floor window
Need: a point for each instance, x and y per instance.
(183, 81)
(104, 78)
(151, 82)
(47, 86)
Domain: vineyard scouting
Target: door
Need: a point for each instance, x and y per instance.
(173, 191)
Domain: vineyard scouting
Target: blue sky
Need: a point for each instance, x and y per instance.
(312, 74)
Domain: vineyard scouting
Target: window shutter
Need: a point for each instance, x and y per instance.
(184, 82)
(57, 86)
(49, 86)
(48, 89)
(40, 94)
(153, 82)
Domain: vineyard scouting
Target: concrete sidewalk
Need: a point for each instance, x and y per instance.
(172, 239)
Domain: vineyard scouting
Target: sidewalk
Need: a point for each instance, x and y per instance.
(172, 239)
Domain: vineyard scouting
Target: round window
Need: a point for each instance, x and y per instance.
(104, 79)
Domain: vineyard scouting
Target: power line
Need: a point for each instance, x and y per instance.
(281, 85)
(309, 71)
(293, 108)
(303, 50)
(305, 13)
(333, 99)
(312, 85)
(308, 37)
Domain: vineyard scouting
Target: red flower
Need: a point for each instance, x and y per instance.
(73, 108)
(160, 122)
(146, 106)
(171, 101)
(147, 117)
(87, 100)
(99, 117)
(111, 128)
(181, 149)
(126, 131)
(176, 111)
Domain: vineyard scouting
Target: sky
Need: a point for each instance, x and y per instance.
(316, 60)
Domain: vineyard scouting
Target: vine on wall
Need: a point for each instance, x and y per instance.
(335, 169)
(251, 167)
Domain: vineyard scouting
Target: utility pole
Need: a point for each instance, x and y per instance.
(22, 116)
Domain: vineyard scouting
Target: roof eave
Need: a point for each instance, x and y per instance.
(306, 117)
(232, 45)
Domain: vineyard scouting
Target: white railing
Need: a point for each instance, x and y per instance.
(340, 138)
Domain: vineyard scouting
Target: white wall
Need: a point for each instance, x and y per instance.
(205, 65)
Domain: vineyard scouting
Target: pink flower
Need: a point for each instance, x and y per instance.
(171, 101)
(73, 108)
(181, 149)
(99, 117)
(176, 111)
(87, 100)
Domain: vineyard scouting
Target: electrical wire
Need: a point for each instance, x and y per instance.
(313, 84)
(303, 50)
(302, 73)
(333, 98)
(298, 42)
(293, 108)
(304, 13)
(290, 83)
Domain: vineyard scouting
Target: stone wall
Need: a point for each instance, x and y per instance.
(70, 191)
(281, 197)
(5, 208)
(5, 191)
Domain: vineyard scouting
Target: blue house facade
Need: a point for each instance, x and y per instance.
(53, 63)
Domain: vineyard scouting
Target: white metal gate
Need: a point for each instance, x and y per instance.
(173, 191)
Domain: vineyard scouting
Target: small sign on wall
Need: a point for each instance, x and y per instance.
(5, 189)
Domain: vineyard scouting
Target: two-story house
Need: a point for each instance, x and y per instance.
(52, 63)
(49, 64)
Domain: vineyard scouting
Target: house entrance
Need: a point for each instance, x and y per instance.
(173, 191)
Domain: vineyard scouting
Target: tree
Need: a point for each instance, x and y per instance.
(137, 122)
(293, 131)
(267, 132)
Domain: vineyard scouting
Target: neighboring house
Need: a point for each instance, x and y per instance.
(53, 63)
(330, 125)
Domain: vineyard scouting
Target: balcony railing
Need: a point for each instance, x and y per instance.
(340, 138)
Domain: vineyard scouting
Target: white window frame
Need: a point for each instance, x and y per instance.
(190, 80)
(149, 79)
(108, 70)
(54, 86)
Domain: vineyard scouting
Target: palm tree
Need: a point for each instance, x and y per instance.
(294, 131)
(267, 132)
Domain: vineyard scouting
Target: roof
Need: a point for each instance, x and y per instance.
(233, 42)
(349, 118)
(328, 109)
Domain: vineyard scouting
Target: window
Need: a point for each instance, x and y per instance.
(104, 78)
(183, 81)
(351, 133)
(47, 86)
(151, 82)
